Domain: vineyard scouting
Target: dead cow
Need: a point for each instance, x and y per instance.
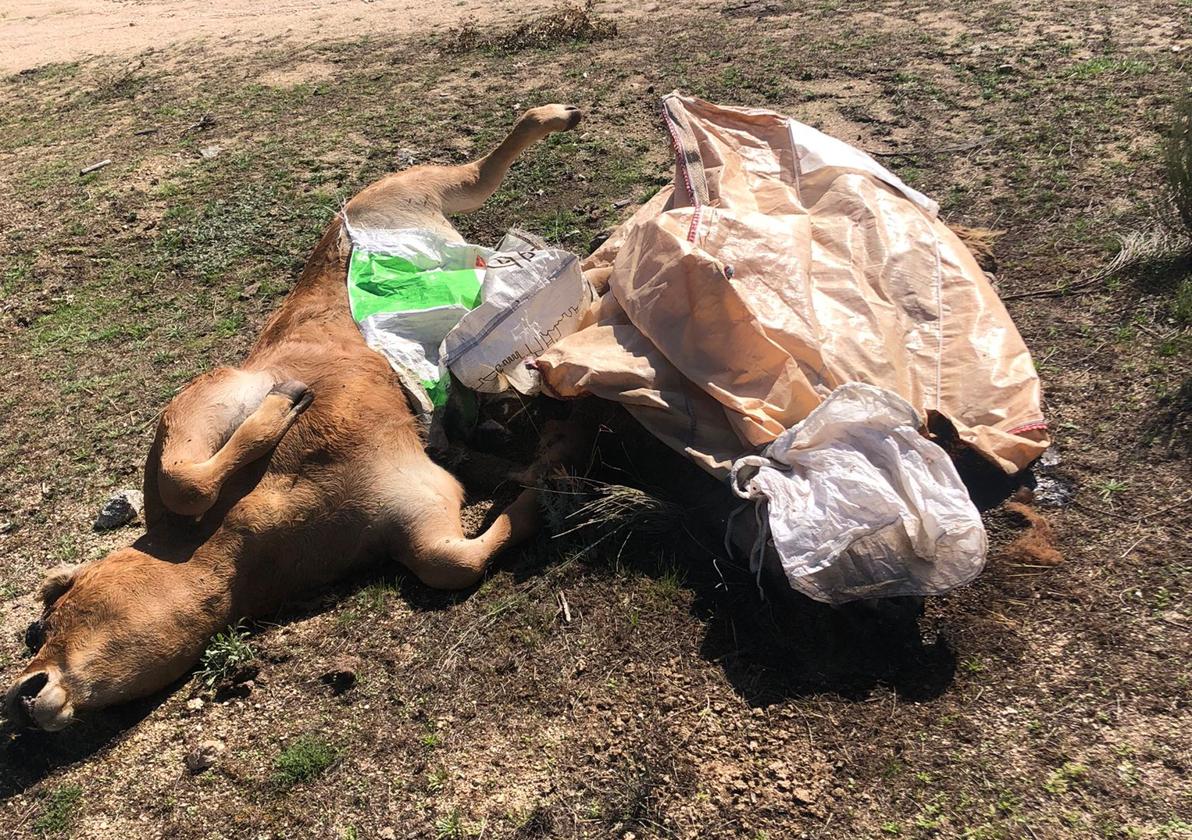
(275, 477)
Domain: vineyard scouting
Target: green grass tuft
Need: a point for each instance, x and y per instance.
(1061, 780)
(61, 807)
(304, 759)
(449, 826)
(1107, 65)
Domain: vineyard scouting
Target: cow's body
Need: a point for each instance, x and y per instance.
(278, 476)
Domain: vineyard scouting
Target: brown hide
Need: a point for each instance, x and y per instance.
(278, 476)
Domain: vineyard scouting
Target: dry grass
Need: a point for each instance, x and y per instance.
(1149, 250)
(1177, 153)
(567, 23)
(591, 511)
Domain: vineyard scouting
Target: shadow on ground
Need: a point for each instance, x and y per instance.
(27, 756)
(771, 650)
(776, 645)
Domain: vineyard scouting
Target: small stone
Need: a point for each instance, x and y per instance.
(195, 704)
(204, 756)
(387, 834)
(121, 508)
(208, 152)
(342, 675)
(803, 795)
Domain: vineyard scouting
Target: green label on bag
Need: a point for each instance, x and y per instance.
(386, 283)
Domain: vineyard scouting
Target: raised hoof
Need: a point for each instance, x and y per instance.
(555, 117)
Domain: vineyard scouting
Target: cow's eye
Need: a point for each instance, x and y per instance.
(35, 636)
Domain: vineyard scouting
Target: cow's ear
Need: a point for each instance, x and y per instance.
(58, 580)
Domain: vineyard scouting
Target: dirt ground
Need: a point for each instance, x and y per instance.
(36, 32)
(1036, 703)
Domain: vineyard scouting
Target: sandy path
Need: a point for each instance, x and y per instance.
(37, 32)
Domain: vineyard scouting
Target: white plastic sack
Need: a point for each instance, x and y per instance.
(532, 298)
(860, 505)
(429, 303)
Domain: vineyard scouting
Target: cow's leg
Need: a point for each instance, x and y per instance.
(425, 500)
(471, 185)
(425, 532)
(419, 197)
(223, 421)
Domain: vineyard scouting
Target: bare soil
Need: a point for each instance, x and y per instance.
(1040, 702)
(36, 33)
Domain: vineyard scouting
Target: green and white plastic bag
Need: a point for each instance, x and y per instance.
(430, 304)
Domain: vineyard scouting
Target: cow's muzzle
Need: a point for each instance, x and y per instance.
(38, 700)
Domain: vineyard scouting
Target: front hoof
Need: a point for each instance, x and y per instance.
(296, 392)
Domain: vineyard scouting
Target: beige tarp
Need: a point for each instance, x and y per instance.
(783, 264)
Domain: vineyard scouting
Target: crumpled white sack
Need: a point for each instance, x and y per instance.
(860, 505)
(532, 298)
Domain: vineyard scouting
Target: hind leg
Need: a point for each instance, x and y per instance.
(217, 425)
(426, 534)
(471, 185)
(420, 197)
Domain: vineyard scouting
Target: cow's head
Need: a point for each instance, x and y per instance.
(111, 631)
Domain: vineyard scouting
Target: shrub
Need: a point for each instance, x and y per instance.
(225, 654)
